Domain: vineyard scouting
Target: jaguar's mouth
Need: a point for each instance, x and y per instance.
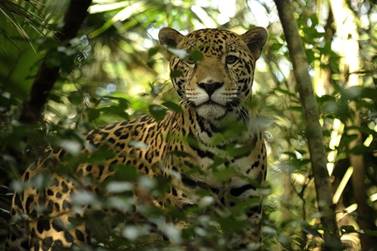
(210, 102)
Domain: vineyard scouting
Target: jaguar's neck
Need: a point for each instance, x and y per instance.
(237, 122)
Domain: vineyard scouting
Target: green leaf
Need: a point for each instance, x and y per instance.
(125, 173)
(93, 114)
(231, 225)
(114, 110)
(223, 174)
(310, 55)
(295, 108)
(158, 112)
(122, 102)
(152, 51)
(176, 73)
(326, 98)
(172, 106)
(195, 56)
(180, 154)
(100, 155)
(276, 46)
(75, 98)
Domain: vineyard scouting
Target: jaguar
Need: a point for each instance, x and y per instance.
(212, 71)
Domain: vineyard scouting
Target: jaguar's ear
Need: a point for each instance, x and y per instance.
(169, 37)
(255, 39)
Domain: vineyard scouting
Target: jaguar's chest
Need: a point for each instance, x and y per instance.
(235, 160)
(220, 169)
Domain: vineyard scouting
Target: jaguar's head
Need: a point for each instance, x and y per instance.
(212, 69)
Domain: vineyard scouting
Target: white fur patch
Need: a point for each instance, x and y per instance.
(211, 111)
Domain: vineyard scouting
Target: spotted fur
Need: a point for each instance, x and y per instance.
(212, 87)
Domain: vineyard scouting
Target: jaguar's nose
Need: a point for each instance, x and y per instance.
(210, 87)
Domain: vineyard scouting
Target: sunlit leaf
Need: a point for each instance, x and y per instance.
(73, 147)
(119, 186)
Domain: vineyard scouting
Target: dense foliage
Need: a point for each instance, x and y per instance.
(114, 69)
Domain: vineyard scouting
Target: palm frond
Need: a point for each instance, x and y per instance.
(23, 16)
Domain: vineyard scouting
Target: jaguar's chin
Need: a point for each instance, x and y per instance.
(211, 111)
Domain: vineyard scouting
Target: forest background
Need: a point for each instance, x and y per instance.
(107, 66)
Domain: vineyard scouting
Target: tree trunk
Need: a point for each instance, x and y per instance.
(47, 74)
(313, 128)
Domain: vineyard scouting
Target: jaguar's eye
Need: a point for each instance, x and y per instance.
(231, 59)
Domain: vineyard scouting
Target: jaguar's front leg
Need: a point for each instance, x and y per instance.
(248, 191)
(255, 212)
(245, 204)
